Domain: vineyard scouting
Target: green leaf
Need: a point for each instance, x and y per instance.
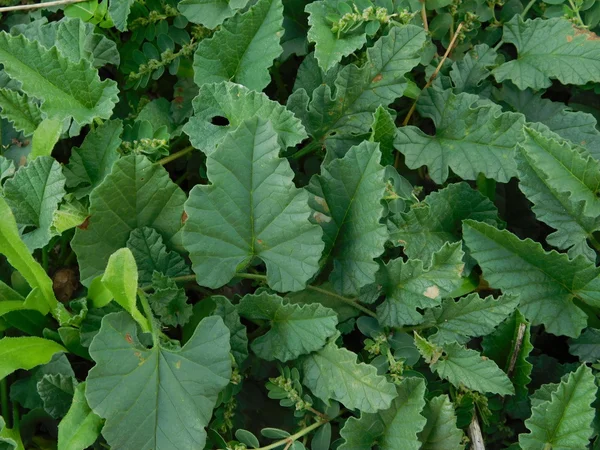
(76, 40)
(343, 310)
(409, 285)
(243, 49)
(169, 302)
(67, 89)
(57, 393)
(70, 214)
(549, 49)
(119, 10)
(34, 194)
(294, 330)
(465, 367)
(348, 105)
(178, 387)
(575, 126)
(501, 346)
(392, 429)
(330, 47)
(45, 137)
(563, 421)
(7, 441)
(333, 373)
(471, 137)
(237, 103)
(565, 169)
(437, 219)
(93, 161)
(7, 168)
(151, 255)
(121, 279)
(470, 73)
(346, 198)
(210, 13)
(25, 353)
(19, 256)
(546, 282)
(80, 427)
(383, 131)
(253, 185)
(587, 346)
(21, 110)
(556, 209)
(135, 194)
(469, 317)
(440, 431)
(231, 318)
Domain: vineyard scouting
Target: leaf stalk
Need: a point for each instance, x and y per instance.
(39, 5)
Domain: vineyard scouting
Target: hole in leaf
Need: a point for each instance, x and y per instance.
(220, 121)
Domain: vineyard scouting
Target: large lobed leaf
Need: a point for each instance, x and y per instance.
(243, 49)
(546, 282)
(471, 137)
(251, 209)
(346, 197)
(549, 49)
(135, 194)
(236, 104)
(294, 329)
(210, 13)
(156, 398)
(67, 89)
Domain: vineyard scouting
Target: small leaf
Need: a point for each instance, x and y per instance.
(210, 13)
(250, 182)
(333, 373)
(383, 131)
(76, 40)
(392, 429)
(469, 317)
(587, 346)
(93, 161)
(236, 104)
(437, 219)
(34, 194)
(80, 427)
(247, 438)
(564, 420)
(231, 318)
(470, 73)
(135, 194)
(119, 12)
(243, 49)
(549, 49)
(471, 137)
(25, 353)
(120, 278)
(330, 48)
(151, 255)
(409, 285)
(346, 199)
(9, 439)
(45, 137)
(67, 89)
(179, 387)
(466, 367)
(440, 431)
(57, 393)
(294, 330)
(546, 282)
(21, 110)
(169, 302)
(70, 214)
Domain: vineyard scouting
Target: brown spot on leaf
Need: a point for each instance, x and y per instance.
(569, 38)
(84, 225)
(321, 218)
(432, 292)
(378, 78)
(184, 217)
(322, 203)
(130, 340)
(64, 283)
(590, 35)
(259, 241)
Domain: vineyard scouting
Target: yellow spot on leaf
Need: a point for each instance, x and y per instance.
(432, 291)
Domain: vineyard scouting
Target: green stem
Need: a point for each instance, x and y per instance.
(527, 8)
(5, 409)
(149, 316)
(174, 156)
(310, 148)
(349, 301)
(39, 5)
(294, 437)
